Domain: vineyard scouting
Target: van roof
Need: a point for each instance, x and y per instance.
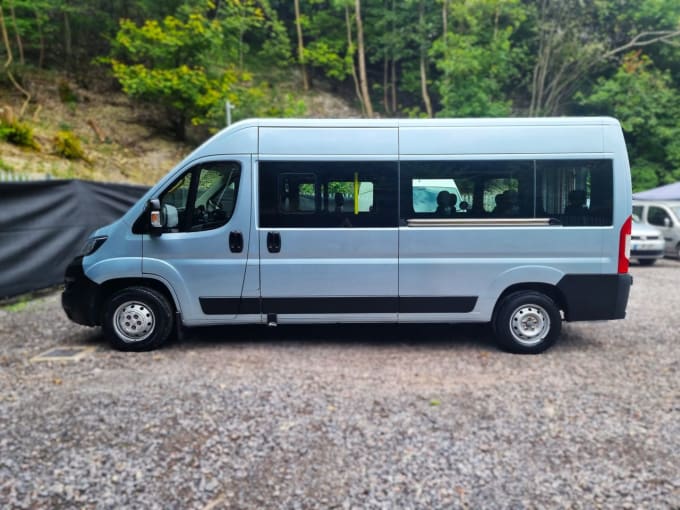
(444, 122)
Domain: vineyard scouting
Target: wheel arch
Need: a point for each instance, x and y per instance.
(544, 288)
(110, 287)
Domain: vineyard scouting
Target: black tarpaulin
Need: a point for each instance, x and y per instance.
(43, 224)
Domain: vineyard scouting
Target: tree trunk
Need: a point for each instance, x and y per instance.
(445, 38)
(350, 50)
(8, 63)
(445, 20)
(386, 70)
(394, 64)
(423, 63)
(394, 85)
(363, 80)
(179, 126)
(301, 47)
(67, 38)
(20, 45)
(41, 55)
(386, 65)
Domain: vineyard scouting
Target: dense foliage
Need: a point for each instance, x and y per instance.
(393, 57)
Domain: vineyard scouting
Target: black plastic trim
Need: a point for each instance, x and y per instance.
(595, 296)
(646, 253)
(316, 305)
(81, 296)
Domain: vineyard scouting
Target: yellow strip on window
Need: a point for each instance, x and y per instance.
(356, 193)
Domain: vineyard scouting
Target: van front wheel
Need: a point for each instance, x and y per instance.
(527, 322)
(137, 319)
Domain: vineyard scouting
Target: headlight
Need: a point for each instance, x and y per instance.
(92, 245)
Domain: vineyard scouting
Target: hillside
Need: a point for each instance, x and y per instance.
(121, 139)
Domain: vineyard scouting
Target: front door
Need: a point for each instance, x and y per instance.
(328, 241)
(202, 252)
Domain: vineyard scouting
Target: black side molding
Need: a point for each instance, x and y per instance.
(235, 306)
(595, 296)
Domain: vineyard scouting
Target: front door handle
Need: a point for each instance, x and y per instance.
(236, 241)
(273, 242)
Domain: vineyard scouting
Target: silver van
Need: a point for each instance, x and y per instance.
(280, 221)
(665, 216)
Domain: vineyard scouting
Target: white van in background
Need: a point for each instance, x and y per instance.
(523, 223)
(665, 216)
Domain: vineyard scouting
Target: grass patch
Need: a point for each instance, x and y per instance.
(17, 306)
(68, 146)
(18, 133)
(6, 166)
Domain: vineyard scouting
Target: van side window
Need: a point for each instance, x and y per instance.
(327, 194)
(657, 216)
(297, 193)
(574, 192)
(577, 192)
(467, 189)
(202, 199)
(637, 211)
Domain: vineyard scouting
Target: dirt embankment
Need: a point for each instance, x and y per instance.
(123, 141)
(119, 139)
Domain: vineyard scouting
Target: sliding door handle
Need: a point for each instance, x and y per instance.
(273, 242)
(236, 241)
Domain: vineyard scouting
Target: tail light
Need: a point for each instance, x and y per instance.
(624, 245)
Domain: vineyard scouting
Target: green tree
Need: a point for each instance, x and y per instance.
(644, 99)
(580, 39)
(166, 63)
(477, 57)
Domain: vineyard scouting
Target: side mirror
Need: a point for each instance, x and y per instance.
(667, 222)
(155, 221)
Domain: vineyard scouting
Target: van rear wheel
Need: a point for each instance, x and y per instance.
(137, 319)
(527, 322)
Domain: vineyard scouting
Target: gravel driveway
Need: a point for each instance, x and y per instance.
(347, 417)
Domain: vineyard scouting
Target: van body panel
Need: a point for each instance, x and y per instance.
(331, 263)
(504, 140)
(119, 257)
(242, 139)
(330, 140)
(484, 262)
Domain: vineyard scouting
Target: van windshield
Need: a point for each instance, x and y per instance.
(676, 211)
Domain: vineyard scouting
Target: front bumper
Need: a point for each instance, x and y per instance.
(80, 299)
(646, 254)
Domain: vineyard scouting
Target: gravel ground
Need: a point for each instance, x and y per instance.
(347, 417)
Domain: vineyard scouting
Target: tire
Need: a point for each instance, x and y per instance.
(527, 322)
(647, 262)
(137, 319)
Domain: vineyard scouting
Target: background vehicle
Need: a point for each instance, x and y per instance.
(665, 216)
(646, 243)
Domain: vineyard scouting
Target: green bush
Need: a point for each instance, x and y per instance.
(18, 133)
(67, 145)
(66, 94)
